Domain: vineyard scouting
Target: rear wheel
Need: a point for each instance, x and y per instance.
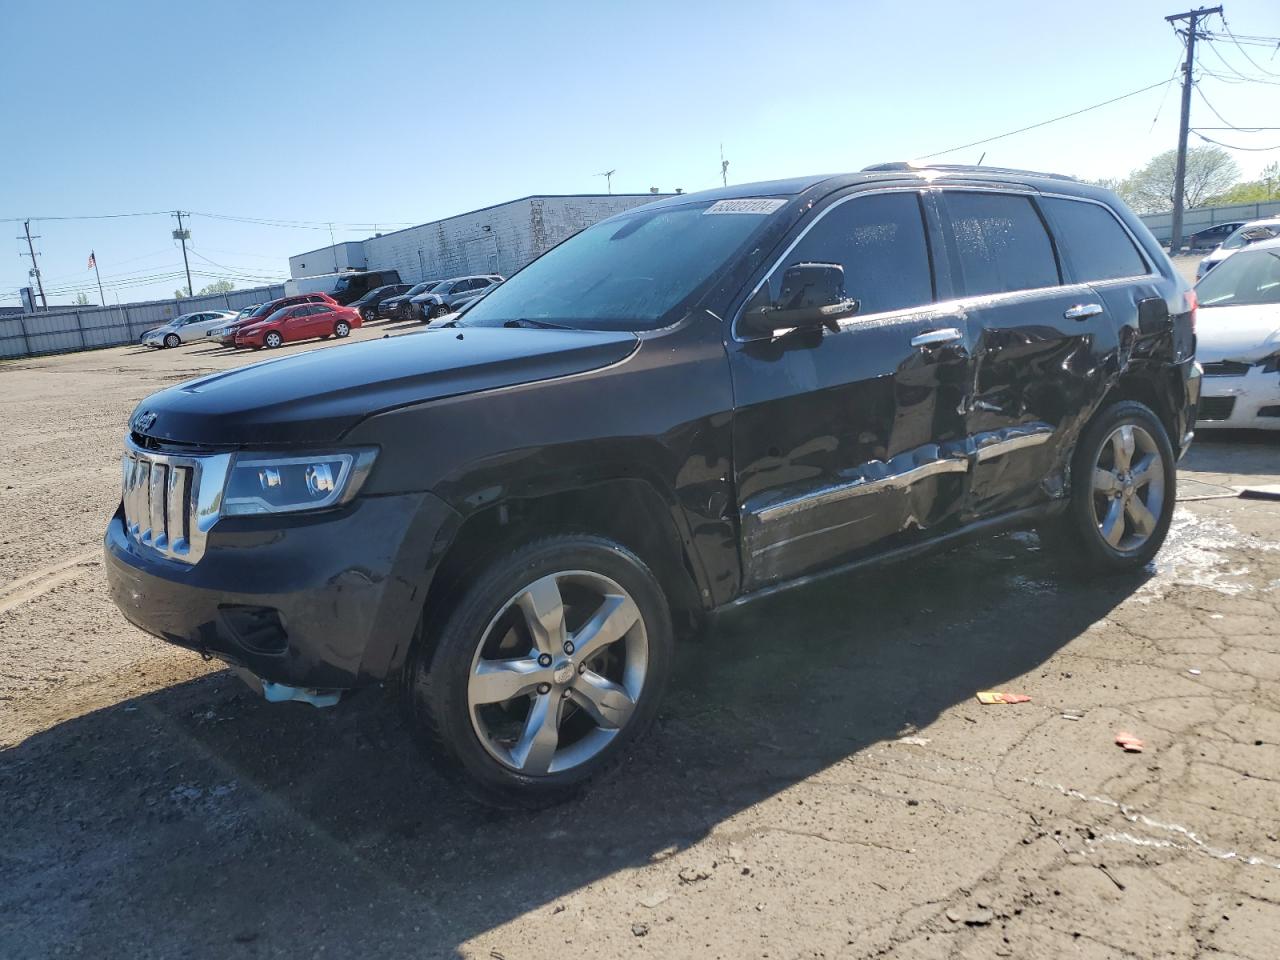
(1123, 490)
(438, 311)
(341, 328)
(273, 340)
(172, 340)
(549, 667)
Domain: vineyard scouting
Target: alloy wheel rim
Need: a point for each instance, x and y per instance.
(1128, 488)
(273, 340)
(343, 330)
(558, 673)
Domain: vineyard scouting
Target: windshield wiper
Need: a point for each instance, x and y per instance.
(535, 324)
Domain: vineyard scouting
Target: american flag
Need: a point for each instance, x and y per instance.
(93, 261)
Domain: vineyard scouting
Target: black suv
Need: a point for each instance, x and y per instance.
(692, 404)
(367, 306)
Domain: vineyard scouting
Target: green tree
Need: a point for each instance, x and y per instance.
(181, 292)
(82, 299)
(218, 286)
(1210, 172)
(1266, 187)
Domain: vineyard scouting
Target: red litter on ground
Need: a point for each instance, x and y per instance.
(989, 697)
(1130, 743)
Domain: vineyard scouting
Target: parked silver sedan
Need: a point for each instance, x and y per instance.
(187, 328)
(448, 295)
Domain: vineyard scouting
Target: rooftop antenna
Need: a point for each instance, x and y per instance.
(608, 179)
(724, 167)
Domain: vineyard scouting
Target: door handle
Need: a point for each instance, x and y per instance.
(936, 338)
(1082, 311)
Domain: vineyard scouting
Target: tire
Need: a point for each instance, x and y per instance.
(436, 312)
(171, 340)
(490, 744)
(272, 340)
(1099, 505)
(341, 329)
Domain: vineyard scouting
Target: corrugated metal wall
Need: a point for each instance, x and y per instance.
(86, 328)
(499, 239)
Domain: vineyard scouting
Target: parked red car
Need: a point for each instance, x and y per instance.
(299, 322)
(261, 312)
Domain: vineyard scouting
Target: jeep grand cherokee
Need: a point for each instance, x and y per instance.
(692, 404)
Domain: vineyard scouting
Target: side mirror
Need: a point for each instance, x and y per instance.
(812, 296)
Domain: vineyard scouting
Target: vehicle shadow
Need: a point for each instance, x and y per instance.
(198, 820)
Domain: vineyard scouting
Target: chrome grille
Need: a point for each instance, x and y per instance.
(171, 502)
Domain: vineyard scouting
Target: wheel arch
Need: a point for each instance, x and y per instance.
(629, 511)
(1148, 384)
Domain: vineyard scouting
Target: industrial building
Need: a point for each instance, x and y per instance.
(498, 239)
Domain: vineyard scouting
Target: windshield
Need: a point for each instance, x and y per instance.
(1251, 233)
(626, 273)
(1250, 277)
(421, 288)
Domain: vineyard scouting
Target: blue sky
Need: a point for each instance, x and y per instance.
(400, 112)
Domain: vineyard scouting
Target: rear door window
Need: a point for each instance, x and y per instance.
(1094, 244)
(879, 239)
(1001, 243)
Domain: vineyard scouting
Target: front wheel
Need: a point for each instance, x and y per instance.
(341, 329)
(549, 667)
(172, 340)
(1123, 490)
(273, 340)
(436, 312)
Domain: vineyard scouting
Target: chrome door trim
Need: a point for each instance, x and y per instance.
(999, 442)
(859, 487)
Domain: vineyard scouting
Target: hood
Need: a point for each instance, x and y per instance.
(1246, 333)
(318, 396)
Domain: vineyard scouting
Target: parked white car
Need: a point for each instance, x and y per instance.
(1238, 340)
(187, 328)
(1254, 231)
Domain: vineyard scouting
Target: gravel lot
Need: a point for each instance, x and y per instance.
(822, 782)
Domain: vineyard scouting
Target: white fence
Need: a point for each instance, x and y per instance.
(68, 329)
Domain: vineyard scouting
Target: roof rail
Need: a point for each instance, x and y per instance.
(907, 166)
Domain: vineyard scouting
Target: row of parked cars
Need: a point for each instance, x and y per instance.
(307, 316)
(1228, 238)
(424, 301)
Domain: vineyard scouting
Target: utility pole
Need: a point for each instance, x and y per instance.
(35, 267)
(608, 179)
(184, 235)
(1193, 18)
(724, 167)
(93, 257)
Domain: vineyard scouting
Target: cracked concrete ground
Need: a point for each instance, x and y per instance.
(822, 782)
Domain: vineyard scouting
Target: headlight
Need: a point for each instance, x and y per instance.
(266, 483)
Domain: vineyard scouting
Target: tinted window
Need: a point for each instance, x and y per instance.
(1095, 245)
(1001, 242)
(880, 242)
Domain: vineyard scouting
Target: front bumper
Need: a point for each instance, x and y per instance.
(327, 601)
(1247, 402)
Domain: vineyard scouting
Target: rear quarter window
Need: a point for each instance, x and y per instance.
(1094, 244)
(1001, 243)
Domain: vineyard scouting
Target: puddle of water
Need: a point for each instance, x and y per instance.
(1201, 552)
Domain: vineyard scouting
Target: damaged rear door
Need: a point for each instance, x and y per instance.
(1042, 342)
(845, 439)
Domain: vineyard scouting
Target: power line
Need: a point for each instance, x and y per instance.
(1214, 111)
(1230, 147)
(1043, 123)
